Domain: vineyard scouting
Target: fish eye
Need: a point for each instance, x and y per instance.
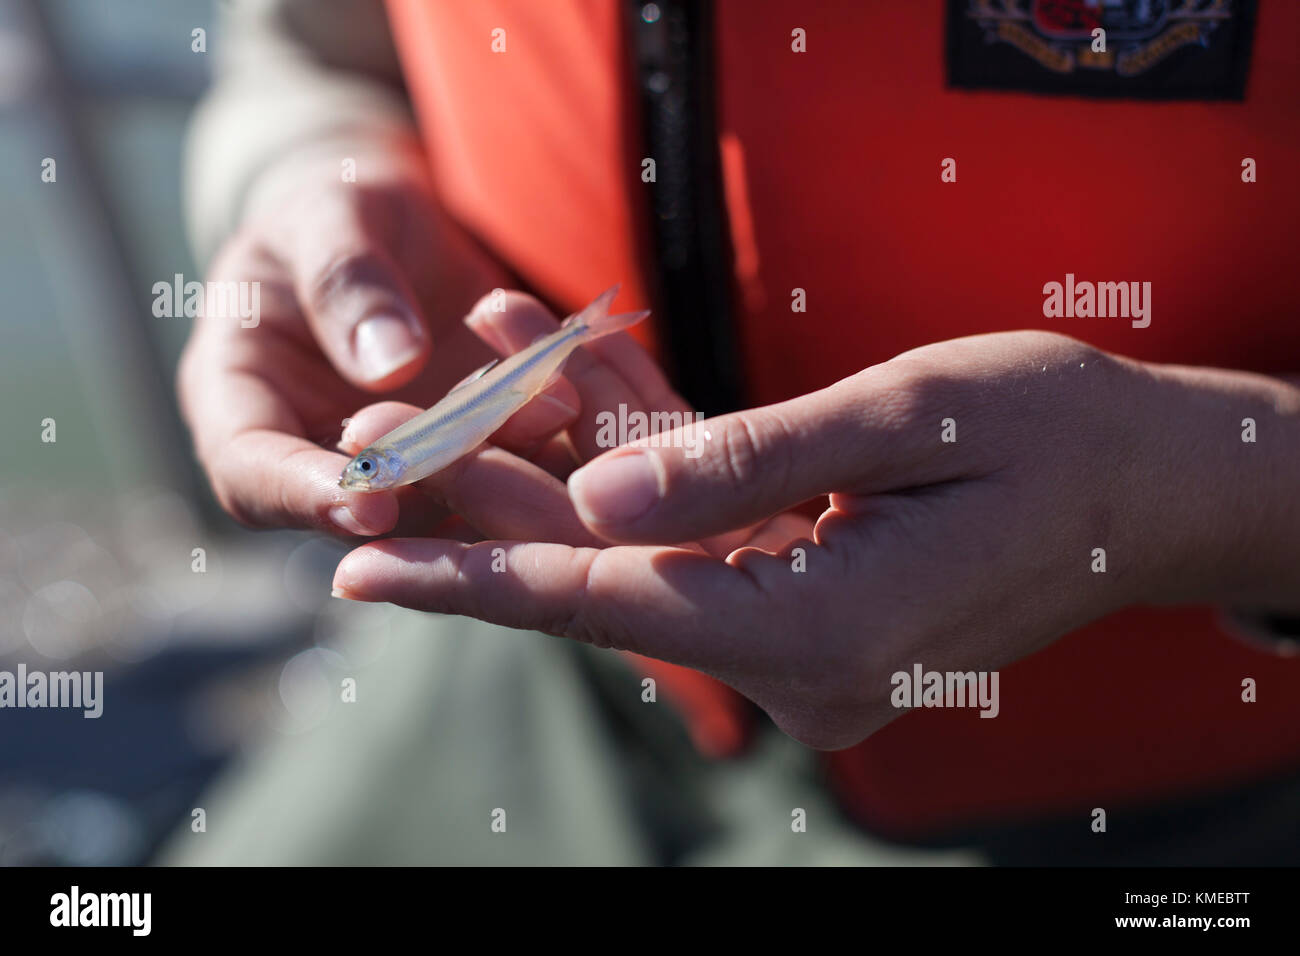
(367, 465)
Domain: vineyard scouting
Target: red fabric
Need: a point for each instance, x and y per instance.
(529, 144)
(1136, 707)
(832, 161)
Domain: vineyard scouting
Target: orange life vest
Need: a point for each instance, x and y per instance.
(832, 173)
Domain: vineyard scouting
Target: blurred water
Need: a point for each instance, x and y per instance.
(98, 529)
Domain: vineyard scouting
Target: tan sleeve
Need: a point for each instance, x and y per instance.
(287, 74)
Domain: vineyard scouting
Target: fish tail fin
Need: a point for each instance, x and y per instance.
(596, 320)
(617, 322)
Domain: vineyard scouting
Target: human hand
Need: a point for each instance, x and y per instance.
(963, 555)
(516, 489)
(363, 287)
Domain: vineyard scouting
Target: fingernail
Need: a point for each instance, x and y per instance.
(617, 489)
(344, 440)
(339, 593)
(384, 343)
(342, 516)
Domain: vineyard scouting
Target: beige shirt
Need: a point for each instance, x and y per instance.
(290, 75)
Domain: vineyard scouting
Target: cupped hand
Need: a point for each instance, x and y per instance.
(363, 287)
(971, 484)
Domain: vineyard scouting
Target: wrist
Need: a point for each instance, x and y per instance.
(1217, 469)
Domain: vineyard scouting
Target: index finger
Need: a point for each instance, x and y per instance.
(263, 469)
(607, 373)
(672, 604)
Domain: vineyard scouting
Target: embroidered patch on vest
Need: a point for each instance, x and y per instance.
(1165, 49)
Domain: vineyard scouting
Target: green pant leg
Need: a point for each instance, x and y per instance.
(766, 807)
(455, 720)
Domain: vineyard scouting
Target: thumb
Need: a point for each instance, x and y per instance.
(741, 468)
(733, 471)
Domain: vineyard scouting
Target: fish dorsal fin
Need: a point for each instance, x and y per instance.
(474, 376)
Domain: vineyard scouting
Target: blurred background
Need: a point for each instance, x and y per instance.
(99, 528)
(113, 554)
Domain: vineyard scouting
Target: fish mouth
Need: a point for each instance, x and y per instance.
(354, 484)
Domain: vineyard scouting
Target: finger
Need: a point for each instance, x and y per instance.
(670, 604)
(357, 303)
(419, 515)
(612, 374)
(296, 485)
(496, 492)
(638, 370)
(617, 381)
(556, 457)
(456, 528)
(509, 322)
(770, 536)
(513, 320)
(861, 435)
(253, 447)
(528, 429)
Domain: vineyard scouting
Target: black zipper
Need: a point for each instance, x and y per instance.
(690, 275)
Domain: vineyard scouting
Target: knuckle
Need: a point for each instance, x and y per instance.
(576, 623)
(740, 453)
(232, 498)
(343, 273)
(247, 255)
(579, 622)
(757, 446)
(232, 503)
(239, 248)
(926, 392)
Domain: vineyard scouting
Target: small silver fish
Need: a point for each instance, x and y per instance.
(468, 414)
